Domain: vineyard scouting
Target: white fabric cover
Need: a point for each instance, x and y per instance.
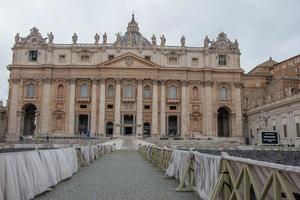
(71, 156)
(26, 174)
(37, 172)
(207, 168)
(49, 162)
(179, 164)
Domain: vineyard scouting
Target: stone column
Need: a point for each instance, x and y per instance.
(162, 107)
(117, 108)
(13, 108)
(208, 117)
(154, 130)
(102, 108)
(139, 108)
(238, 110)
(183, 109)
(45, 111)
(71, 109)
(94, 108)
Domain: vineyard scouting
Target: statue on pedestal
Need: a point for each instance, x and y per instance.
(50, 37)
(104, 38)
(97, 38)
(206, 42)
(17, 38)
(162, 41)
(182, 41)
(74, 38)
(153, 38)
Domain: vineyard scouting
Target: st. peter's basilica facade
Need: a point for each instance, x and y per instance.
(130, 87)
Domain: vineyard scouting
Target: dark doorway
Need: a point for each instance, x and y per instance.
(147, 129)
(83, 121)
(29, 119)
(109, 129)
(128, 124)
(223, 122)
(173, 126)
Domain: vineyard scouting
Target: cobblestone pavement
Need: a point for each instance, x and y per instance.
(121, 175)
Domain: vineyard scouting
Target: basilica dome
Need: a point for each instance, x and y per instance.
(133, 36)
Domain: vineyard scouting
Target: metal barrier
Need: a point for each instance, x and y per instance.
(238, 178)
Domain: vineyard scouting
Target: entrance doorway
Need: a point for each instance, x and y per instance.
(128, 124)
(29, 119)
(172, 126)
(146, 129)
(223, 122)
(83, 121)
(109, 129)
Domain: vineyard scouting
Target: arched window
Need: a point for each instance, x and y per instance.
(172, 92)
(129, 91)
(30, 90)
(147, 92)
(110, 91)
(84, 90)
(60, 90)
(195, 92)
(223, 94)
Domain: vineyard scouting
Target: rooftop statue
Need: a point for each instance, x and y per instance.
(153, 39)
(104, 38)
(97, 38)
(17, 38)
(162, 41)
(182, 41)
(118, 35)
(74, 38)
(50, 37)
(206, 42)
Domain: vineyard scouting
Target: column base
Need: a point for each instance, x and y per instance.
(12, 137)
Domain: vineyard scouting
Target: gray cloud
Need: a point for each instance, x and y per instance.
(261, 27)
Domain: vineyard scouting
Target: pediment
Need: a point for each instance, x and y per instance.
(129, 60)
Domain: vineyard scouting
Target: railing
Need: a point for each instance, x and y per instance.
(238, 178)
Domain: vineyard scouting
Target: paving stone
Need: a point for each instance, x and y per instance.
(121, 175)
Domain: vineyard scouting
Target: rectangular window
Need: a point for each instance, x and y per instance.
(148, 58)
(172, 107)
(298, 129)
(85, 58)
(285, 130)
(110, 57)
(83, 106)
(222, 59)
(274, 128)
(62, 58)
(173, 60)
(33, 56)
(147, 107)
(110, 106)
(194, 61)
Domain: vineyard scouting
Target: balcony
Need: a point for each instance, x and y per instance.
(27, 99)
(83, 99)
(173, 100)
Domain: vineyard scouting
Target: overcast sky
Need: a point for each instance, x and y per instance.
(263, 28)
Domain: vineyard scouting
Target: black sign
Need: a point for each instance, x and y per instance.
(269, 137)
